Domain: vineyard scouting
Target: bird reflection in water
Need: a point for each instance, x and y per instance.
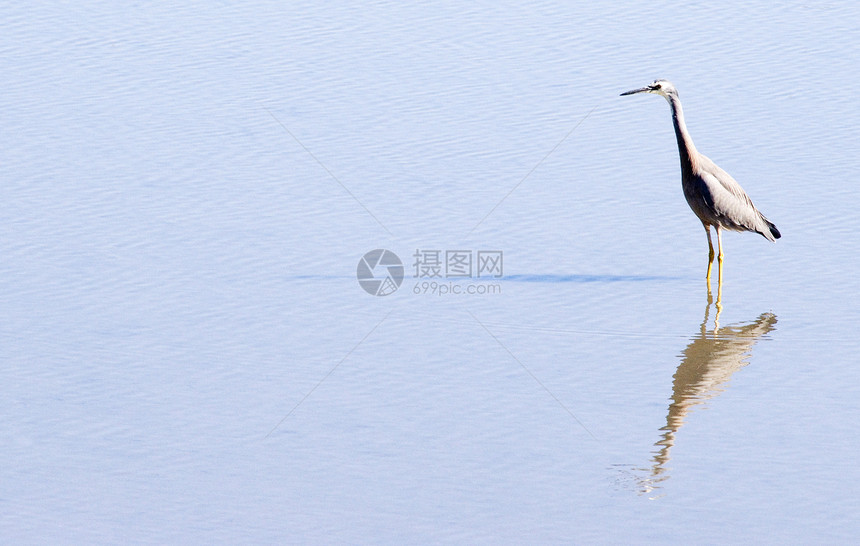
(719, 305)
(707, 365)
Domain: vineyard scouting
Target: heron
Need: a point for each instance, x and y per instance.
(715, 197)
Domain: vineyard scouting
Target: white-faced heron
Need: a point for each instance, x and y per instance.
(716, 198)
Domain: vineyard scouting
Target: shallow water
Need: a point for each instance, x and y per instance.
(187, 353)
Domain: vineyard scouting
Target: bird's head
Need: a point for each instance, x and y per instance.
(664, 88)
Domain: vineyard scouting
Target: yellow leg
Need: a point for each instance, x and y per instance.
(710, 252)
(719, 255)
(719, 277)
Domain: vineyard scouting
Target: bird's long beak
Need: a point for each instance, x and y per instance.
(640, 90)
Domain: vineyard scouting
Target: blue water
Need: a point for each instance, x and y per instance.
(187, 355)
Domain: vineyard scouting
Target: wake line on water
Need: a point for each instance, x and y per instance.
(533, 278)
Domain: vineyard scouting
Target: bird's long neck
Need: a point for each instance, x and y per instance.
(686, 148)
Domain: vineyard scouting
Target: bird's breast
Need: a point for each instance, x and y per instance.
(699, 198)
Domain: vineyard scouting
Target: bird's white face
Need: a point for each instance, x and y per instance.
(664, 88)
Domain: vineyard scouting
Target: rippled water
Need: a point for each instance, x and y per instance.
(188, 356)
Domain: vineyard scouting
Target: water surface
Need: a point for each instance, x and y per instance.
(187, 355)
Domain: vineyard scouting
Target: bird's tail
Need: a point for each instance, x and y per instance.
(774, 233)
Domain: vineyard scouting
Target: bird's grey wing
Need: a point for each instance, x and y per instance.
(730, 203)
